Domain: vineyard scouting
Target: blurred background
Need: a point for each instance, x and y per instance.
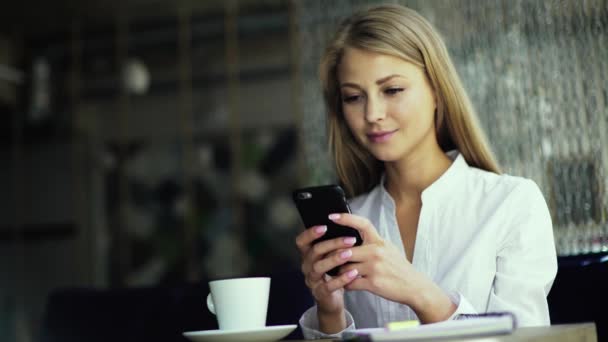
(151, 143)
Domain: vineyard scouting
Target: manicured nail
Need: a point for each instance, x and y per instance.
(346, 254)
(352, 273)
(350, 240)
(320, 229)
(334, 216)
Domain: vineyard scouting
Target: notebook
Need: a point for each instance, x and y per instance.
(468, 326)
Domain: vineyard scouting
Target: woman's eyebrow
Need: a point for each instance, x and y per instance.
(388, 78)
(378, 82)
(348, 84)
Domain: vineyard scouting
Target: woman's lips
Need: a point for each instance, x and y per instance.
(380, 137)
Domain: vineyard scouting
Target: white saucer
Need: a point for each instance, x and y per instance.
(271, 333)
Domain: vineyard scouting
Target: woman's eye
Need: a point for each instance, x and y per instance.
(350, 98)
(393, 91)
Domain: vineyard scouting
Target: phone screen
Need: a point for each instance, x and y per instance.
(316, 203)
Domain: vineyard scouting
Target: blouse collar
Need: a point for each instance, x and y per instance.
(440, 187)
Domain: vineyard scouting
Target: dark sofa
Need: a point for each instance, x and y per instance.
(157, 314)
(580, 292)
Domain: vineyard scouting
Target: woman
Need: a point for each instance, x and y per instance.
(444, 232)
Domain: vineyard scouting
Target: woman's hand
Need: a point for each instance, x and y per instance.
(328, 292)
(385, 271)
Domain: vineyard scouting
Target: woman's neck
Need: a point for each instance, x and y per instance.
(407, 178)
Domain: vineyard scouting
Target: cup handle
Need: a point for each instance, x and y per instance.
(210, 305)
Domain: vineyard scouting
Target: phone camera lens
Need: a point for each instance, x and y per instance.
(304, 195)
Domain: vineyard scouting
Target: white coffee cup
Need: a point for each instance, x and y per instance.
(239, 303)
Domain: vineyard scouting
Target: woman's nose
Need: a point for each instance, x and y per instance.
(374, 110)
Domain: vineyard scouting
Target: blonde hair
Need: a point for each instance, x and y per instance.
(399, 31)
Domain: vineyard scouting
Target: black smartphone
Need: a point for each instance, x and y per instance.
(316, 203)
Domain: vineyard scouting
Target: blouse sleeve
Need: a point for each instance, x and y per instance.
(526, 261)
(463, 306)
(310, 325)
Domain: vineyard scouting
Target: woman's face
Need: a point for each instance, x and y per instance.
(388, 104)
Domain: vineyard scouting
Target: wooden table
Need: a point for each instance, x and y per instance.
(581, 332)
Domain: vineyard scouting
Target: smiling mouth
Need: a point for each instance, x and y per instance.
(380, 137)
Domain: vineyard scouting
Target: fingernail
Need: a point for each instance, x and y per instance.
(350, 240)
(334, 216)
(320, 229)
(352, 273)
(346, 254)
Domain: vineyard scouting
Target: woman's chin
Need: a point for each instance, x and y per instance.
(386, 157)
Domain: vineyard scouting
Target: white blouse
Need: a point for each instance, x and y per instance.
(485, 239)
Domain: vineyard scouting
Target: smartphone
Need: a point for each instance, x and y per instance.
(316, 203)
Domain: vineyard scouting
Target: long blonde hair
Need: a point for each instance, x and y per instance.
(399, 31)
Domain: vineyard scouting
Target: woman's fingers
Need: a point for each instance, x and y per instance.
(363, 225)
(342, 280)
(330, 285)
(322, 266)
(304, 239)
(361, 281)
(320, 257)
(369, 261)
(323, 248)
(358, 284)
(369, 253)
(324, 256)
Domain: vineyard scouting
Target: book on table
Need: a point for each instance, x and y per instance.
(468, 326)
